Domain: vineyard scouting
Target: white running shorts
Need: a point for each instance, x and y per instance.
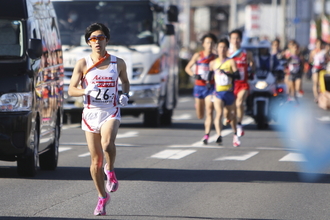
(92, 119)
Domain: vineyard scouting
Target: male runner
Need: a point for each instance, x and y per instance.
(225, 72)
(244, 60)
(101, 114)
(203, 90)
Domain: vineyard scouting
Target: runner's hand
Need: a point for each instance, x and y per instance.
(196, 76)
(123, 100)
(90, 88)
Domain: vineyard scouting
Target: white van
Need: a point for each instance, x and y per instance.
(31, 85)
(143, 34)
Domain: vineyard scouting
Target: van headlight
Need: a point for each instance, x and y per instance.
(261, 85)
(15, 102)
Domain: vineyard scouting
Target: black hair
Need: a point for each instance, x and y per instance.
(276, 40)
(210, 35)
(225, 41)
(95, 27)
(238, 32)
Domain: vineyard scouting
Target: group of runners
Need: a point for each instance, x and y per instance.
(221, 83)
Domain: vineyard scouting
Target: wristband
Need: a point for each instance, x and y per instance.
(126, 94)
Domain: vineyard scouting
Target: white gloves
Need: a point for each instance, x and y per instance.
(123, 100)
(90, 88)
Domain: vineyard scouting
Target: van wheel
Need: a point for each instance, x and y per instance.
(48, 160)
(27, 166)
(166, 117)
(151, 118)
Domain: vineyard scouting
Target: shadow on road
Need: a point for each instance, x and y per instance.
(145, 217)
(173, 175)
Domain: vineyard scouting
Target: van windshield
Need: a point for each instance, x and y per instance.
(11, 39)
(130, 23)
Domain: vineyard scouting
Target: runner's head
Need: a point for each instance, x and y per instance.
(235, 38)
(319, 44)
(97, 27)
(222, 47)
(294, 49)
(208, 41)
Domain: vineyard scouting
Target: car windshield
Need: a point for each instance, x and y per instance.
(129, 23)
(11, 39)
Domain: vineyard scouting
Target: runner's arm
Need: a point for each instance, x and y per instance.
(76, 78)
(190, 65)
(250, 61)
(123, 75)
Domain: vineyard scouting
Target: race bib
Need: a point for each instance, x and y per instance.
(294, 68)
(102, 96)
(222, 79)
(203, 71)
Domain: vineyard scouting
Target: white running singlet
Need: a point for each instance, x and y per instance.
(100, 105)
(107, 82)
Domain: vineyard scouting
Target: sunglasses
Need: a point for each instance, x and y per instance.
(97, 38)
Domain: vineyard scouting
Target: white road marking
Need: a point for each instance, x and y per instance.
(182, 117)
(61, 149)
(240, 158)
(224, 133)
(173, 154)
(74, 144)
(84, 155)
(324, 118)
(293, 157)
(195, 146)
(128, 134)
(186, 99)
(65, 127)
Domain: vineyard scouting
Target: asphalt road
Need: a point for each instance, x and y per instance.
(166, 173)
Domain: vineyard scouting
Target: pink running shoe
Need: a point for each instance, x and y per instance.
(236, 141)
(100, 207)
(112, 182)
(205, 139)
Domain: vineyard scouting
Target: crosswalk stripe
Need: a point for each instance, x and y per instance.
(240, 158)
(84, 155)
(182, 117)
(293, 157)
(61, 149)
(173, 154)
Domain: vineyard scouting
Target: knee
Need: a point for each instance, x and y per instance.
(108, 146)
(96, 163)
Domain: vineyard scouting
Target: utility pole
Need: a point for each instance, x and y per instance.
(283, 34)
(233, 15)
(274, 19)
(322, 8)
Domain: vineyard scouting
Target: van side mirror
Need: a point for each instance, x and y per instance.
(173, 13)
(169, 29)
(34, 50)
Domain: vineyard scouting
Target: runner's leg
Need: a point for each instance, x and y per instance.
(96, 168)
(208, 114)
(109, 132)
(241, 97)
(315, 79)
(200, 108)
(218, 106)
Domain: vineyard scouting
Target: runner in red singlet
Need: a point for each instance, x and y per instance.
(243, 60)
(203, 89)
